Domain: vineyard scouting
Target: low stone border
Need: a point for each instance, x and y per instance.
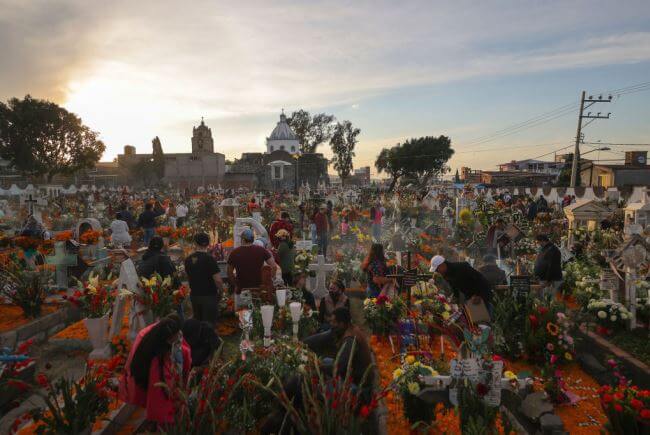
(116, 420)
(595, 349)
(10, 393)
(41, 328)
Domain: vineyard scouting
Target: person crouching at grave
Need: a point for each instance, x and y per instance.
(493, 273)
(334, 299)
(350, 336)
(156, 261)
(548, 264)
(464, 280)
(203, 341)
(159, 355)
(120, 236)
(286, 255)
(206, 285)
(376, 269)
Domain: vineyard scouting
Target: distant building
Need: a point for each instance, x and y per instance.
(200, 167)
(634, 172)
(469, 175)
(532, 165)
(281, 167)
(516, 178)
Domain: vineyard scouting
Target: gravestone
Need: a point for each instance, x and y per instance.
(321, 268)
(520, 286)
(304, 245)
(62, 261)
(139, 316)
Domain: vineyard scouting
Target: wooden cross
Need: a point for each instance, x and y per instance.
(30, 203)
(62, 261)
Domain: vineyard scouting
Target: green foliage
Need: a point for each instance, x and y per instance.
(24, 288)
(419, 159)
(311, 131)
(343, 141)
(40, 138)
(509, 318)
(476, 416)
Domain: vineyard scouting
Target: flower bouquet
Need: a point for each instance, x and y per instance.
(158, 296)
(90, 237)
(95, 300)
(302, 261)
(165, 232)
(546, 335)
(24, 288)
(382, 313)
(408, 380)
(27, 243)
(610, 315)
(627, 409)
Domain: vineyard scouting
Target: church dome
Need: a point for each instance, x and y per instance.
(282, 131)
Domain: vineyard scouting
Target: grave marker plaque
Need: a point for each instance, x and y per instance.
(520, 286)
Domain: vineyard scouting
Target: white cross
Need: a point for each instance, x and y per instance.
(62, 261)
(321, 268)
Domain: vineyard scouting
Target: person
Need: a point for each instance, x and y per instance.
(252, 205)
(531, 213)
(548, 263)
(286, 255)
(345, 227)
(542, 205)
(493, 273)
(33, 228)
(349, 336)
(202, 339)
(147, 221)
(181, 214)
(171, 214)
(375, 216)
(307, 297)
(464, 279)
(158, 355)
(376, 269)
(322, 229)
(247, 261)
(205, 282)
(496, 230)
(127, 216)
(155, 260)
(335, 298)
(284, 223)
(120, 236)
(330, 213)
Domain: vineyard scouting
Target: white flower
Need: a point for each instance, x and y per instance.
(613, 318)
(602, 315)
(624, 316)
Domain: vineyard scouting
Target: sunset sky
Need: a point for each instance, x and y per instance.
(133, 70)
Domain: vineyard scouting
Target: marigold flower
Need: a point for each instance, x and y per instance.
(552, 329)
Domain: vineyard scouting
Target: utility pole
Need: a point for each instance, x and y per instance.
(576, 152)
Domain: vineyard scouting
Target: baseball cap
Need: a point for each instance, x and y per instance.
(435, 262)
(247, 235)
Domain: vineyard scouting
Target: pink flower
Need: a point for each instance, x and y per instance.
(550, 347)
(553, 359)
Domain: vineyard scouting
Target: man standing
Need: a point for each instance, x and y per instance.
(245, 263)
(205, 282)
(147, 221)
(493, 273)
(548, 264)
(280, 224)
(322, 229)
(463, 278)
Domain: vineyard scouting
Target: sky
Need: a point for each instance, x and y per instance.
(465, 69)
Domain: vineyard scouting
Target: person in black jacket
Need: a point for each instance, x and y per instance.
(548, 264)
(154, 260)
(493, 273)
(463, 278)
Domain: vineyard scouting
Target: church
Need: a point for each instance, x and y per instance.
(201, 167)
(283, 167)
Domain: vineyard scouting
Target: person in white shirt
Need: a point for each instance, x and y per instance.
(120, 232)
(181, 214)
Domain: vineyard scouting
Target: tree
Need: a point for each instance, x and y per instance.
(40, 138)
(457, 177)
(420, 159)
(158, 158)
(343, 141)
(564, 178)
(311, 131)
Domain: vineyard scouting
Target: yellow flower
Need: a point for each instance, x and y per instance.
(397, 373)
(431, 370)
(417, 364)
(447, 307)
(92, 289)
(509, 375)
(414, 388)
(568, 356)
(410, 359)
(93, 281)
(445, 315)
(167, 282)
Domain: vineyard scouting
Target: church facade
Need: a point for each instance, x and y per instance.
(281, 168)
(201, 167)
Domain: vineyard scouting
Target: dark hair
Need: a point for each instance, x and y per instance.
(148, 206)
(284, 215)
(154, 344)
(488, 259)
(500, 221)
(156, 243)
(339, 283)
(202, 239)
(542, 238)
(376, 253)
(342, 315)
(372, 212)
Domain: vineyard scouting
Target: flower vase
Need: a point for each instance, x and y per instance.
(416, 409)
(97, 334)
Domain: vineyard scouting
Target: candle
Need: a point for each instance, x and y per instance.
(267, 321)
(281, 296)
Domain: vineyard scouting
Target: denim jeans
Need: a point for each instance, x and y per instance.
(323, 240)
(148, 235)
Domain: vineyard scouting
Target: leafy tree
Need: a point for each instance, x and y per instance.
(311, 131)
(158, 158)
(456, 177)
(41, 138)
(564, 178)
(343, 141)
(419, 159)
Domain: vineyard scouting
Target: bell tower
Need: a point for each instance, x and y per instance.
(202, 141)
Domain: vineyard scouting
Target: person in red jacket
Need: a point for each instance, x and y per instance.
(281, 224)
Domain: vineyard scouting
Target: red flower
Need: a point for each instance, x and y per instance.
(335, 404)
(636, 404)
(533, 321)
(607, 398)
(645, 414)
(42, 380)
(481, 389)
(618, 408)
(19, 385)
(364, 411)
(382, 299)
(542, 310)
(496, 358)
